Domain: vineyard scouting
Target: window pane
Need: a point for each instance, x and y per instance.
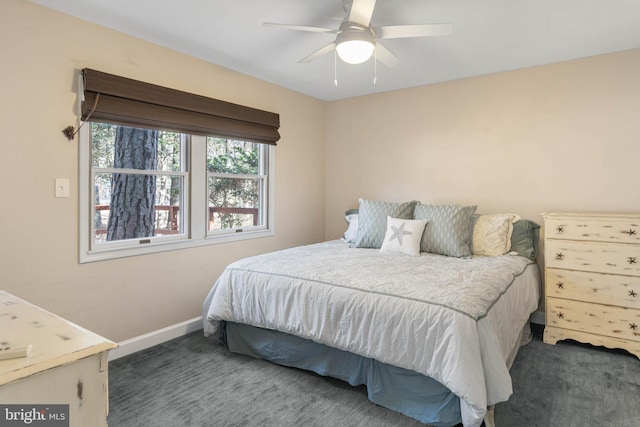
(148, 206)
(134, 148)
(103, 136)
(234, 203)
(230, 156)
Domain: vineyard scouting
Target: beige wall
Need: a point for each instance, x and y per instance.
(42, 50)
(558, 137)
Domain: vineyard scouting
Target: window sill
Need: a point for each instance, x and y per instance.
(123, 252)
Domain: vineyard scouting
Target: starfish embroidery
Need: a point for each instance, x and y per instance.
(398, 233)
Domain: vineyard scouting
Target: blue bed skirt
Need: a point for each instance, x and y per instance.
(401, 390)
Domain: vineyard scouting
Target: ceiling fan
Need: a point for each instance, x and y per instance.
(356, 40)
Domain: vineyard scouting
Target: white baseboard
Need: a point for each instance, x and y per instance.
(145, 341)
(537, 317)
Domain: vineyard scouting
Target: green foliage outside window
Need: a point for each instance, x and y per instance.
(234, 182)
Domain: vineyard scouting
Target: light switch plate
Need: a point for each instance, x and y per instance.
(62, 187)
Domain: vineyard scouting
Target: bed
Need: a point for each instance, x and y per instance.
(431, 335)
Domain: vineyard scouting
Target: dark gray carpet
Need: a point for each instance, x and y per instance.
(572, 385)
(193, 381)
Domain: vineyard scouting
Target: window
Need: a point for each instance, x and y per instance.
(162, 169)
(151, 190)
(237, 183)
(138, 178)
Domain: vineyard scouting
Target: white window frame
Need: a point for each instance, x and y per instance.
(195, 209)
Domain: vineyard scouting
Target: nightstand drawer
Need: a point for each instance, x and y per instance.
(598, 319)
(593, 228)
(596, 257)
(609, 289)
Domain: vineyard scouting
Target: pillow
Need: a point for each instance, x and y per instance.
(449, 229)
(372, 220)
(525, 237)
(351, 216)
(492, 234)
(403, 235)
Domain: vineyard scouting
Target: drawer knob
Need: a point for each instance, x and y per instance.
(560, 285)
(631, 260)
(633, 293)
(631, 232)
(560, 229)
(633, 326)
(560, 315)
(560, 256)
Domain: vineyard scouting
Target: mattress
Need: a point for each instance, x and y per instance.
(454, 320)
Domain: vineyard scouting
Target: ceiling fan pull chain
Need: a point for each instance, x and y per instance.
(335, 67)
(375, 64)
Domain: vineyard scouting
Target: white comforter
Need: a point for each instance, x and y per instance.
(455, 320)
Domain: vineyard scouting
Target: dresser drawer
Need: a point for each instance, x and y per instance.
(613, 258)
(598, 319)
(593, 287)
(593, 228)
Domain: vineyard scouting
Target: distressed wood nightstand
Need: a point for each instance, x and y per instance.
(67, 365)
(592, 279)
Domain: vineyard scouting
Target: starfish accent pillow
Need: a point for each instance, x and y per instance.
(403, 235)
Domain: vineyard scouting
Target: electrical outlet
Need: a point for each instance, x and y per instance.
(62, 187)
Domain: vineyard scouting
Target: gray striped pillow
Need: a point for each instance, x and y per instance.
(449, 229)
(372, 220)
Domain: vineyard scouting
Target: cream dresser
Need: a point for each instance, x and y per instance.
(592, 279)
(67, 366)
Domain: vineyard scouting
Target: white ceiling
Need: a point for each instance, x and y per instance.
(489, 36)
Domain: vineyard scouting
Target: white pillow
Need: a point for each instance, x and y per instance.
(403, 235)
(492, 234)
(352, 230)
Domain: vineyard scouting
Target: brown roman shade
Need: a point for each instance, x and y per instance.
(123, 101)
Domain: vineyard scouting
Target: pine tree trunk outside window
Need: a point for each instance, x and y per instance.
(132, 207)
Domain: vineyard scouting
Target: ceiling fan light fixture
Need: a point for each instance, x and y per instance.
(355, 51)
(354, 43)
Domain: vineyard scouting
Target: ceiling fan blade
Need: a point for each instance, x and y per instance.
(361, 11)
(385, 56)
(318, 53)
(299, 28)
(402, 31)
